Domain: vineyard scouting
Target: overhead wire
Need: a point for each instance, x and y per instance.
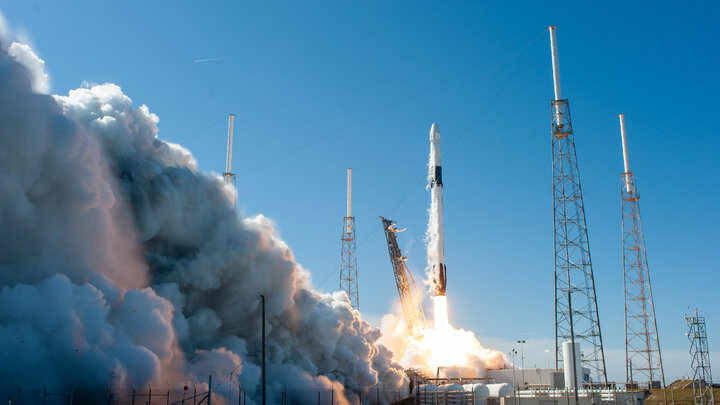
(395, 103)
(211, 126)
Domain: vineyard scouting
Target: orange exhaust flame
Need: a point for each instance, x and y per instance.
(458, 352)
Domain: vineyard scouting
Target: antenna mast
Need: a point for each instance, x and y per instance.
(348, 259)
(700, 360)
(576, 313)
(228, 175)
(642, 343)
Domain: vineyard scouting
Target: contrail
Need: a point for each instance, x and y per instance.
(210, 59)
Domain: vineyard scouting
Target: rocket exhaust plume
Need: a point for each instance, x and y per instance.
(457, 351)
(435, 236)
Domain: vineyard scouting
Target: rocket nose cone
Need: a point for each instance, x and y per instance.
(434, 132)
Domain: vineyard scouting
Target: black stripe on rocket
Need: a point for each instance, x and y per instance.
(437, 178)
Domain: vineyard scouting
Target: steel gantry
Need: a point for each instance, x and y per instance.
(700, 360)
(409, 298)
(643, 360)
(576, 313)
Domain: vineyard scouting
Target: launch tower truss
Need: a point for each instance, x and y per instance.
(700, 360)
(409, 298)
(576, 312)
(643, 361)
(348, 259)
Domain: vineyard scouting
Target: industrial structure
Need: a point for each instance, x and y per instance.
(544, 386)
(409, 298)
(643, 360)
(700, 360)
(228, 175)
(576, 314)
(436, 212)
(348, 259)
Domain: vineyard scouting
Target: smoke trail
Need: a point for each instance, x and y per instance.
(122, 264)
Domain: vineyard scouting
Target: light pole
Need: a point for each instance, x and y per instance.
(263, 349)
(513, 353)
(522, 361)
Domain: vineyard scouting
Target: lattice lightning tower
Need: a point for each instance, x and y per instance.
(576, 313)
(700, 360)
(643, 361)
(409, 297)
(348, 261)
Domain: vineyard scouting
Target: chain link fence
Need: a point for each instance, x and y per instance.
(222, 394)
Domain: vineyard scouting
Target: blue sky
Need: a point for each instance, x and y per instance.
(321, 86)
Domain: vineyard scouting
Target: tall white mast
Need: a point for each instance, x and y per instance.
(555, 63)
(349, 196)
(228, 175)
(625, 151)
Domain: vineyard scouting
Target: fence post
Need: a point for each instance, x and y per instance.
(377, 394)
(72, 392)
(133, 396)
(332, 395)
(239, 395)
(167, 400)
(149, 394)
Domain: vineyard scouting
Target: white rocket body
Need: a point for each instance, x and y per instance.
(437, 256)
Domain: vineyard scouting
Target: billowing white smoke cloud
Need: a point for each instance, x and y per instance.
(121, 263)
(24, 54)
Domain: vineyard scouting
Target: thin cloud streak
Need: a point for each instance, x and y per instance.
(210, 59)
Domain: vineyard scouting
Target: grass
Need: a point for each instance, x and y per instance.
(680, 396)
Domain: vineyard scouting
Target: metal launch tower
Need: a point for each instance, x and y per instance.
(409, 298)
(643, 361)
(348, 260)
(576, 313)
(700, 360)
